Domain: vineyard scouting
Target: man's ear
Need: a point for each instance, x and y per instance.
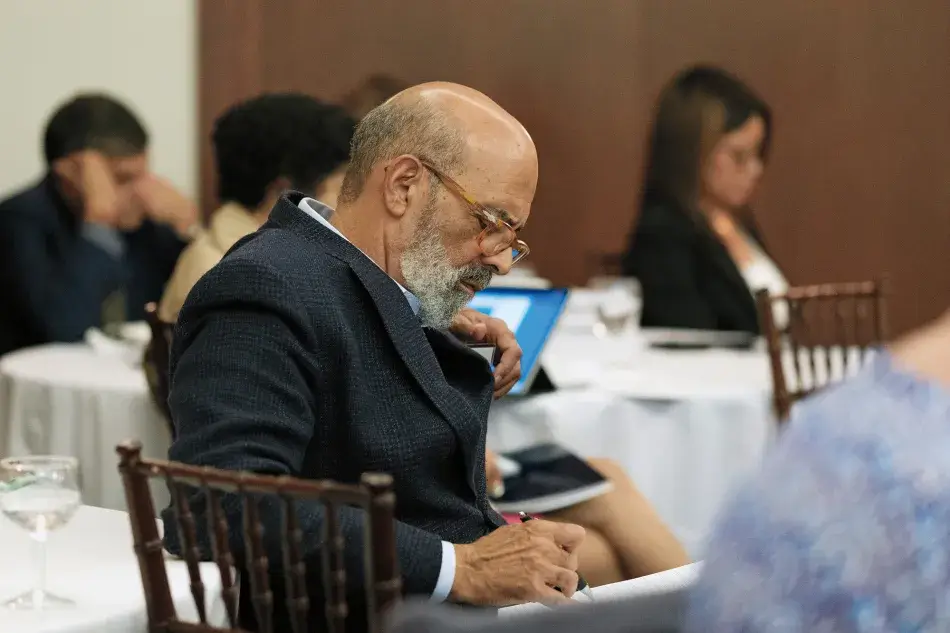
(404, 182)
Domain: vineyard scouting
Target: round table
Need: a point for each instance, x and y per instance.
(685, 425)
(91, 562)
(70, 399)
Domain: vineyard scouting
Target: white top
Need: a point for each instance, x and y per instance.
(762, 274)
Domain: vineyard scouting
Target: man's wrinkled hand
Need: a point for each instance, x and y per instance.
(519, 563)
(481, 328)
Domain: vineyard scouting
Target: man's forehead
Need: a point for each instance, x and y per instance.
(132, 163)
(507, 195)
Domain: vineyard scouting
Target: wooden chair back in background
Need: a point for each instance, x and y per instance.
(157, 356)
(830, 331)
(373, 494)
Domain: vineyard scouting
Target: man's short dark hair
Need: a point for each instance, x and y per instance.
(396, 128)
(93, 121)
(293, 136)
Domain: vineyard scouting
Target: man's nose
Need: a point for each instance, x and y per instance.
(500, 262)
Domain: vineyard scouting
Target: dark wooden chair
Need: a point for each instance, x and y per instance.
(156, 361)
(374, 494)
(830, 331)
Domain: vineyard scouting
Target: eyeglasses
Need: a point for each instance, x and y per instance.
(498, 235)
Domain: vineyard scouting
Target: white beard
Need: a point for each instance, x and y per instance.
(432, 279)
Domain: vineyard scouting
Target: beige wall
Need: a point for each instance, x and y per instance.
(142, 51)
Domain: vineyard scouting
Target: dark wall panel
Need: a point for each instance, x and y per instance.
(857, 186)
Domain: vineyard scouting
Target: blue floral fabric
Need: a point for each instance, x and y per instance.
(847, 525)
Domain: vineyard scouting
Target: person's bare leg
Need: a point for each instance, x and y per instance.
(596, 560)
(641, 541)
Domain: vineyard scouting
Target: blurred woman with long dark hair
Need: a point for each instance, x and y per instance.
(696, 248)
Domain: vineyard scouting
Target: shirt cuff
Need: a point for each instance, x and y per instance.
(446, 574)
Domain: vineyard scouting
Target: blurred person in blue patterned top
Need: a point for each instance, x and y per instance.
(847, 526)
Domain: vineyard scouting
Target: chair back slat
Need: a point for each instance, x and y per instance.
(832, 331)
(145, 537)
(382, 574)
(200, 489)
(262, 597)
(188, 537)
(157, 359)
(221, 552)
(295, 571)
(334, 571)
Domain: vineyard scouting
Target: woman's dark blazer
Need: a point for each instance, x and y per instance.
(688, 277)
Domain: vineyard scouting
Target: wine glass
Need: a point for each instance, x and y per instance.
(40, 494)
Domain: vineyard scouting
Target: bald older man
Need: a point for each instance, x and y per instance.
(318, 349)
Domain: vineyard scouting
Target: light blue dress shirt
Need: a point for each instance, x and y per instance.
(321, 213)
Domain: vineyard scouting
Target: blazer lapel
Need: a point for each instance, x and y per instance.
(415, 347)
(723, 261)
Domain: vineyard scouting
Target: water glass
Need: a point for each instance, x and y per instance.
(40, 494)
(619, 307)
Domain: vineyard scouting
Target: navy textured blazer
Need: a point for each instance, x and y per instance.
(298, 355)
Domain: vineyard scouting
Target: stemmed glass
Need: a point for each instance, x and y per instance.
(40, 494)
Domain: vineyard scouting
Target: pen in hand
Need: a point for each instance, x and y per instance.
(582, 585)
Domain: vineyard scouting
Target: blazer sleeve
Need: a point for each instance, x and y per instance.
(241, 399)
(662, 257)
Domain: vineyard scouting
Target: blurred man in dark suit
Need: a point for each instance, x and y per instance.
(96, 238)
(317, 348)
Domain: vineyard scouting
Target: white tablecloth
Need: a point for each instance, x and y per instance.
(70, 400)
(91, 562)
(685, 425)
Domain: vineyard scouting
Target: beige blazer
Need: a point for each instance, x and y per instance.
(228, 224)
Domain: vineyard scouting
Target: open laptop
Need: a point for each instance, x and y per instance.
(530, 313)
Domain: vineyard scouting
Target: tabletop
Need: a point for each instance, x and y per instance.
(91, 562)
(75, 366)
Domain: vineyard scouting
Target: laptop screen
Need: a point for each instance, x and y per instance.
(531, 314)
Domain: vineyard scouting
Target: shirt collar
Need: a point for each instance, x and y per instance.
(321, 213)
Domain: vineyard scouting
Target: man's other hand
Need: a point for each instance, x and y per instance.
(481, 328)
(166, 205)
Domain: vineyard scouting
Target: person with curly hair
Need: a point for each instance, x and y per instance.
(263, 147)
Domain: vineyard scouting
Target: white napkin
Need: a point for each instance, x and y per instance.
(136, 332)
(128, 352)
